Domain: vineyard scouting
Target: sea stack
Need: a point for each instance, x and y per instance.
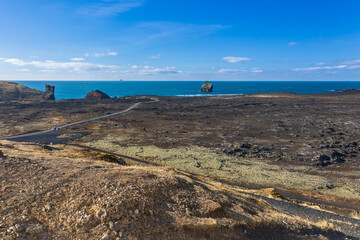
(207, 87)
(96, 95)
(49, 92)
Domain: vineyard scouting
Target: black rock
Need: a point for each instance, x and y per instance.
(207, 87)
(49, 92)
(96, 95)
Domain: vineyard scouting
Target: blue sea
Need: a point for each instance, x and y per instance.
(79, 89)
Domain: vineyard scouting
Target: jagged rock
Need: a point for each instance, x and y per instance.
(96, 95)
(49, 92)
(1, 154)
(207, 87)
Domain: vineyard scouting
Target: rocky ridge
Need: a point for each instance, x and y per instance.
(96, 95)
(10, 91)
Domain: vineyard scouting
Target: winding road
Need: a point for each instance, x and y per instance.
(49, 131)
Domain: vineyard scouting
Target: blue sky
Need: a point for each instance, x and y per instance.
(179, 40)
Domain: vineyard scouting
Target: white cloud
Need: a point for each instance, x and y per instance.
(112, 53)
(47, 71)
(320, 68)
(70, 66)
(151, 70)
(23, 70)
(77, 59)
(346, 65)
(357, 61)
(226, 70)
(235, 59)
(105, 54)
(252, 70)
(155, 57)
(256, 70)
(134, 67)
(292, 43)
(110, 7)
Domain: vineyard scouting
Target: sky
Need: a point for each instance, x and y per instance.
(249, 40)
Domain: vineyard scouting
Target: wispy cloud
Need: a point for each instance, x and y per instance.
(292, 43)
(235, 59)
(23, 70)
(320, 64)
(105, 54)
(157, 32)
(155, 57)
(345, 65)
(151, 70)
(70, 66)
(110, 7)
(232, 71)
(77, 59)
(351, 62)
(307, 69)
(256, 70)
(227, 70)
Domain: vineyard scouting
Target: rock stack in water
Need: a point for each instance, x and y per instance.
(96, 95)
(49, 92)
(207, 87)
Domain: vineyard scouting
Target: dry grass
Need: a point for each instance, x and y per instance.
(205, 161)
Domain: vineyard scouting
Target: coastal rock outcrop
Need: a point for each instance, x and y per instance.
(12, 91)
(96, 95)
(49, 92)
(207, 87)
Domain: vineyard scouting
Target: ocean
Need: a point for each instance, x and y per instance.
(79, 89)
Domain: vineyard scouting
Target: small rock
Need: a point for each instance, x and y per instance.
(11, 229)
(48, 207)
(111, 225)
(106, 236)
(20, 227)
(117, 227)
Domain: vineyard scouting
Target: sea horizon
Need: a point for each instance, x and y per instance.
(76, 89)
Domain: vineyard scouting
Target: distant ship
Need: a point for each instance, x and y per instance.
(121, 80)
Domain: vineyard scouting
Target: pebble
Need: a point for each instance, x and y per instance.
(111, 225)
(106, 236)
(117, 227)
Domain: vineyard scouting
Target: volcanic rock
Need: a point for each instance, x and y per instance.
(96, 95)
(10, 91)
(207, 87)
(50, 92)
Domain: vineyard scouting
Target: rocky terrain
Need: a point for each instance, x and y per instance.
(304, 146)
(69, 193)
(10, 91)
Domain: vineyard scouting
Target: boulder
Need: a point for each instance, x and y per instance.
(207, 87)
(49, 92)
(96, 95)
